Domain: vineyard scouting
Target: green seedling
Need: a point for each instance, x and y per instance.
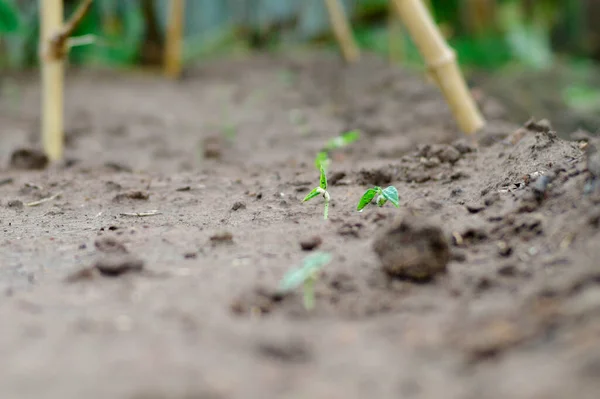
(321, 190)
(333, 144)
(342, 140)
(306, 275)
(380, 195)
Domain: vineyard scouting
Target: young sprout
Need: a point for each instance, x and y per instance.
(321, 190)
(306, 276)
(333, 144)
(383, 196)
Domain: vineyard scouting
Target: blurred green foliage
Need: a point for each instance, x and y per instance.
(485, 33)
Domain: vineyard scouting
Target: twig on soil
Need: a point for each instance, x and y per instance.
(43, 200)
(141, 214)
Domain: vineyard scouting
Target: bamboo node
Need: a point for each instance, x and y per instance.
(449, 57)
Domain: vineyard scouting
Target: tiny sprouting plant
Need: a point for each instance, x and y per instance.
(306, 275)
(380, 195)
(320, 190)
(333, 144)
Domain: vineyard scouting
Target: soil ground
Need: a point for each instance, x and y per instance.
(226, 156)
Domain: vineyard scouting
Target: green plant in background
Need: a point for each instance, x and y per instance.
(322, 158)
(320, 190)
(380, 195)
(9, 17)
(305, 276)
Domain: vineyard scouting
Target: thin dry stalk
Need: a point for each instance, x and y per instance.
(54, 36)
(441, 61)
(174, 42)
(342, 31)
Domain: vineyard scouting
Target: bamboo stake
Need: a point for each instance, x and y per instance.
(174, 42)
(441, 61)
(52, 80)
(342, 31)
(54, 48)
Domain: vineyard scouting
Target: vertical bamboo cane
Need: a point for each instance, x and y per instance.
(342, 31)
(441, 61)
(174, 42)
(52, 80)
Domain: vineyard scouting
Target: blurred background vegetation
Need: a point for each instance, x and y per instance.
(539, 56)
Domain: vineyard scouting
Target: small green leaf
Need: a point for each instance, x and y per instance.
(314, 193)
(351, 136)
(323, 178)
(322, 159)
(367, 198)
(381, 200)
(391, 194)
(310, 266)
(343, 140)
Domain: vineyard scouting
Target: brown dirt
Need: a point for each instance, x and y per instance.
(187, 308)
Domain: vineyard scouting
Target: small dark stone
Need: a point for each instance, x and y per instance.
(311, 243)
(190, 255)
(118, 264)
(238, 205)
(28, 159)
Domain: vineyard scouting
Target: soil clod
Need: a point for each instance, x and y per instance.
(412, 248)
(28, 159)
(310, 243)
(110, 245)
(132, 195)
(118, 264)
(222, 237)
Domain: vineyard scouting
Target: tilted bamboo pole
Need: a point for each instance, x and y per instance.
(53, 50)
(342, 31)
(174, 42)
(441, 60)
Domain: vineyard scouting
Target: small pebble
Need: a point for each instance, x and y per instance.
(238, 205)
